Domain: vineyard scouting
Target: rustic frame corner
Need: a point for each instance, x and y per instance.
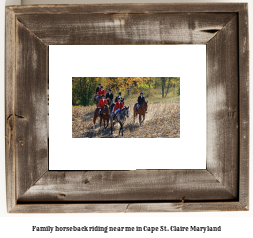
(223, 186)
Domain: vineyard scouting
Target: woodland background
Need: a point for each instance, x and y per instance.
(157, 89)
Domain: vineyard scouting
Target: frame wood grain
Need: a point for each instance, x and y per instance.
(223, 186)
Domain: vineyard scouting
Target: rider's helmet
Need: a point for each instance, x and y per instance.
(110, 90)
(141, 93)
(103, 96)
(101, 86)
(119, 93)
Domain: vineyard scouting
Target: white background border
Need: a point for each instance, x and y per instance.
(185, 61)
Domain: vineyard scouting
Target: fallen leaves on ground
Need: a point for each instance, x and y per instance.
(162, 121)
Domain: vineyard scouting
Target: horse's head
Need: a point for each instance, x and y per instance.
(127, 111)
(106, 107)
(145, 106)
(98, 98)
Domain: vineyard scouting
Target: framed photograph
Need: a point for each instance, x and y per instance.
(177, 137)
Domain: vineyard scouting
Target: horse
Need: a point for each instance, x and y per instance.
(141, 111)
(105, 115)
(111, 107)
(109, 101)
(96, 99)
(119, 118)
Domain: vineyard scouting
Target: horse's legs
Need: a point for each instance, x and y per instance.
(107, 120)
(111, 126)
(140, 119)
(143, 117)
(111, 119)
(121, 127)
(94, 118)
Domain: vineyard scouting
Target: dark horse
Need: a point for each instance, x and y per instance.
(109, 101)
(105, 115)
(96, 99)
(119, 118)
(141, 111)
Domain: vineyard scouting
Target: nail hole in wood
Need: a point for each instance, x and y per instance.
(61, 195)
(86, 181)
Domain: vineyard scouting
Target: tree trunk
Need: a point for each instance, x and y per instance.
(163, 85)
(168, 87)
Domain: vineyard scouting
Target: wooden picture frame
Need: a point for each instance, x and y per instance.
(222, 186)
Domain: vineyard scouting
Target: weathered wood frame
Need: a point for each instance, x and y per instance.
(222, 186)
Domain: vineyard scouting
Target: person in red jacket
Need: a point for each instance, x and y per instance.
(118, 105)
(101, 103)
(101, 91)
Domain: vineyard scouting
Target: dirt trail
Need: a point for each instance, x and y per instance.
(162, 121)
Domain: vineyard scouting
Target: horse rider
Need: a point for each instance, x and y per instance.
(101, 91)
(101, 104)
(141, 100)
(119, 96)
(109, 95)
(98, 88)
(97, 91)
(118, 105)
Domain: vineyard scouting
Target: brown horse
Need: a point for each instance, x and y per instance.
(105, 115)
(141, 111)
